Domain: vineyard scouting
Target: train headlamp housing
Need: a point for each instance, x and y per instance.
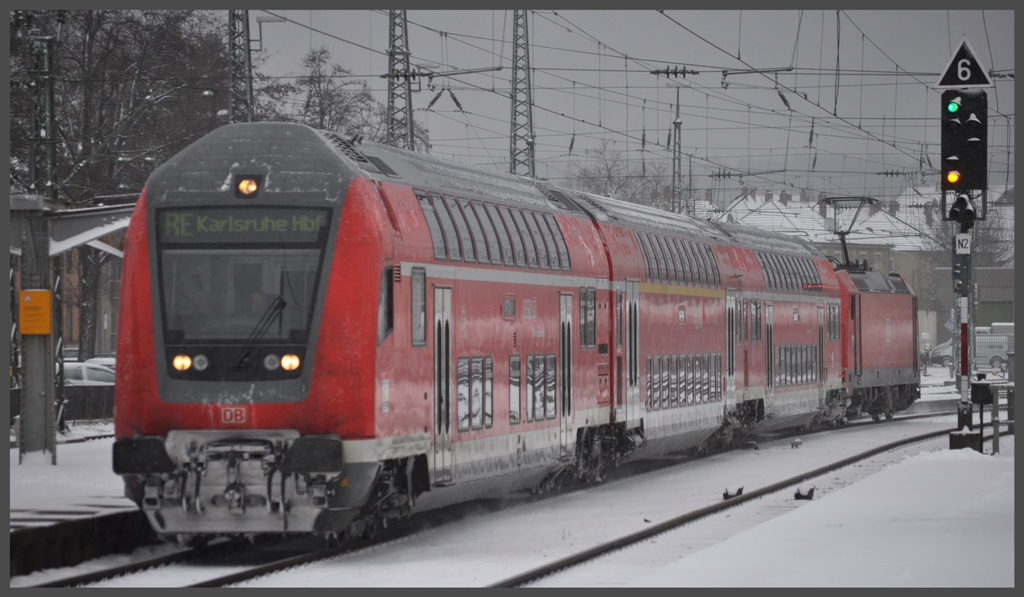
(248, 185)
(290, 362)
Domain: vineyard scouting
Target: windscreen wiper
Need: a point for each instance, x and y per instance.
(262, 326)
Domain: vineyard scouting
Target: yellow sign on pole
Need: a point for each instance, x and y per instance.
(35, 312)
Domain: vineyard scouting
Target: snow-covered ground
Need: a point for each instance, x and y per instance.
(944, 518)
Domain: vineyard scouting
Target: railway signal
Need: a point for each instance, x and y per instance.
(964, 140)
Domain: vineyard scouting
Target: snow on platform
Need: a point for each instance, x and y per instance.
(937, 519)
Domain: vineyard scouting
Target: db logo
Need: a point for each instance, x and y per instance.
(232, 415)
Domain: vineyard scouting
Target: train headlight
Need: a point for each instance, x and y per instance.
(182, 362)
(200, 362)
(247, 185)
(290, 362)
(271, 362)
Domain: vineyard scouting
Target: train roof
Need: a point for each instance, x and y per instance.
(289, 146)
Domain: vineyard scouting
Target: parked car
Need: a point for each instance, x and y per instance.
(989, 351)
(106, 360)
(942, 354)
(87, 374)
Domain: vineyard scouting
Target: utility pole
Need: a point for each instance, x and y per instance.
(43, 157)
(399, 117)
(240, 98)
(677, 155)
(521, 141)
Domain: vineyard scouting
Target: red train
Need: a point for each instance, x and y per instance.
(321, 335)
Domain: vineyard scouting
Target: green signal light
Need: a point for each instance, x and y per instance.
(953, 106)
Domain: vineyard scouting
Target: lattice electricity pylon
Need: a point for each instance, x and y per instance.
(399, 121)
(42, 159)
(240, 100)
(521, 140)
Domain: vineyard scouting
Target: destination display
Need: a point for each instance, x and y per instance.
(242, 225)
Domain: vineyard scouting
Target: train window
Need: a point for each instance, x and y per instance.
(702, 263)
(718, 377)
(677, 255)
(545, 233)
(658, 267)
(538, 240)
(550, 384)
(528, 241)
(698, 271)
(513, 233)
(670, 261)
(488, 391)
(538, 387)
(504, 240)
(434, 225)
(650, 386)
(529, 387)
(709, 256)
(645, 251)
(666, 389)
(583, 317)
(689, 269)
(592, 317)
(780, 281)
(674, 381)
(493, 243)
(491, 236)
(476, 395)
(514, 396)
(618, 318)
(790, 264)
(755, 314)
(691, 379)
(462, 389)
(468, 252)
(563, 250)
(769, 279)
(475, 228)
(452, 237)
(419, 306)
(656, 383)
(659, 254)
(385, 306)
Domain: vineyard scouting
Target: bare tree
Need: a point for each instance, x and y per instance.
(605, 171)
(127, 88)
(330, 98)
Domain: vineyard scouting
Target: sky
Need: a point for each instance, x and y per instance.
(788, 123)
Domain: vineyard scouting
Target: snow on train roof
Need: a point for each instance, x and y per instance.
(608, 210)
(439, 174)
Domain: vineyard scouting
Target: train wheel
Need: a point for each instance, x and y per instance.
(372, 526)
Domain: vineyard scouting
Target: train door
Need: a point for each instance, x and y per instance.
(730, 344)
(632, 354)
(442, 385)
(821, 352)
(565, 372)
(769, 356)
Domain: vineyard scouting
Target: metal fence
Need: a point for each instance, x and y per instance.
(83, 403)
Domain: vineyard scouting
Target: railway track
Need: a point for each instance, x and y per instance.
(288, 553)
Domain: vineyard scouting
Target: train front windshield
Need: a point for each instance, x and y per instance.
(239, 274)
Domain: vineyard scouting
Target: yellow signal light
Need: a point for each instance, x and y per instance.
(952, 177)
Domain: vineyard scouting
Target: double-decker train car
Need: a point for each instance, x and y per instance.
(319, 335)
